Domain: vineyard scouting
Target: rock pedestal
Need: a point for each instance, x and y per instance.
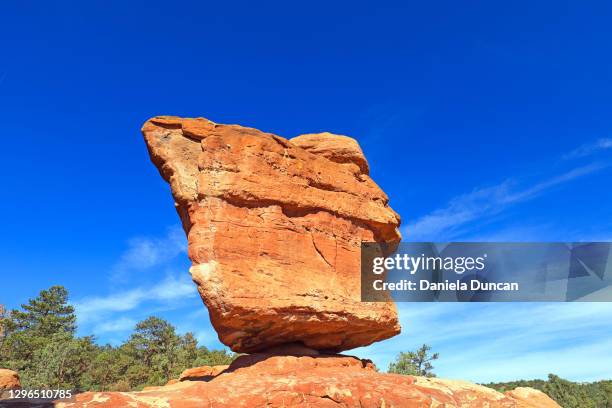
(264, 380)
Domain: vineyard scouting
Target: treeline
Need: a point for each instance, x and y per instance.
(40, 343)
(568, 394)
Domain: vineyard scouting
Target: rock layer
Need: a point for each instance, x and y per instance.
(203, 373)
(274, 229)
(262, 380)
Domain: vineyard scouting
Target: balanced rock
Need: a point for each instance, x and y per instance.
(274, 229)
(9, 379)
(261, 380)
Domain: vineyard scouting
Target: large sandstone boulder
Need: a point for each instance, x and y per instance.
(262, 380)
(274, 229)
(9, 379)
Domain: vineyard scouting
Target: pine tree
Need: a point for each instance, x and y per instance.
(414, 362)
(47, 314)
(156, 343)
(39, 341)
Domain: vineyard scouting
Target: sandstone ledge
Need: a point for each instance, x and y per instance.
(264, 380)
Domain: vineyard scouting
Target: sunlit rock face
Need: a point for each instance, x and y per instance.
(274, 227)
(267, 380)
(8, 379)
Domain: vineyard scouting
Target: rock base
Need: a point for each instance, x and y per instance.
(269, 380)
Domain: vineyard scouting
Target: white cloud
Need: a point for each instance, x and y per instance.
(102, 307)
(446, 222)
(503, 341)
(118, 325)
(506, 341)
(117, 312)
(590, 148)
(145, 253)
(516, 233)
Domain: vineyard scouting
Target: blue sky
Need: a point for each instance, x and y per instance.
(481, 120)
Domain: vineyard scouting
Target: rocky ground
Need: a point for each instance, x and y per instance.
(303, 379)
(267, 380)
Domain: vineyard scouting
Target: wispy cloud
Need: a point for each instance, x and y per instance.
(590, 148)
(504, 341)
(516, 233)
(161, 291)
(197, 321)
(119, 325)
(445, 223)
(146, 252)
(99, 308)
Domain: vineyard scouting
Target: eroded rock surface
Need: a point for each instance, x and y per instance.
(262, 380)
(203, 373)
(528, 397)
(9, 379)
(274, 229)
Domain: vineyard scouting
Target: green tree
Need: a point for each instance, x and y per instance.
(30, 329)
(47, 314)
(567, 393)
(105, 370)
(187, 352)
(605, 397)
(39, 342)
(414, 362)
(213, 357)
(2, 317)
(62, 362)
(157, 345)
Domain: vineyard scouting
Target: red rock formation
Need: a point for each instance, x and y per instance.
(203, 373)
(264, 380)
(528, 397)
(274, 229)
(9, 379)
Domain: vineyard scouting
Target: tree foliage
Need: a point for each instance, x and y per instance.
(568, 394)
(415, 362)
(39, 342)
